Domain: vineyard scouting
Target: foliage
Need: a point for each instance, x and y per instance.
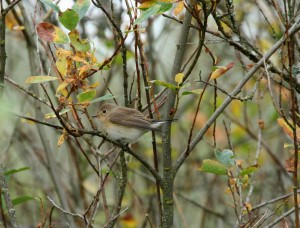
(225, 71)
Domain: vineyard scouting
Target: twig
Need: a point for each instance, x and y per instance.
(284, 215)
(30, 93)
(63, 210)
(116, 216)
(273, 200)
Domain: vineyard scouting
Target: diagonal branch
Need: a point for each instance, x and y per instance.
(237, 90)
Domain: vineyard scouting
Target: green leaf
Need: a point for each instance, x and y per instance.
(81, 7)
(226, 157)
(79, 44)
(52, 114)
(248, 170)
(51, 4)
(103, 98)
(13, 171)
(21, 199)
(51, 33)
(86, 96)
(164, 7)
(40, 79)
(69, 19)
(147, 13)
(211, 166)
(195, 91)
(164, 84)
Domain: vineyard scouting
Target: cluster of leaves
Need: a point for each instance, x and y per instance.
(75, 63)
(152, 7)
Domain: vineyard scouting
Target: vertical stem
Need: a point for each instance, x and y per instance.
(122, 181)
(295, 137)
(2, 49)
(168, 171)
(7, 199)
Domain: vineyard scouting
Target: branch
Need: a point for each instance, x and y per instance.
(64, 211)
(80, 132)
(30, 93)
(234, 93)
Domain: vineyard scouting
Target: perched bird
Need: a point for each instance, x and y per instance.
(126, 125)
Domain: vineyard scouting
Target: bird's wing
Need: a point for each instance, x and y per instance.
(130, 119)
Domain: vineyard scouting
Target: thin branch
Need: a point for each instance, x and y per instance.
(63, 210)
(30, 93)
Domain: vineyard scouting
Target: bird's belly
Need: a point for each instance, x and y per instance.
(124, 134)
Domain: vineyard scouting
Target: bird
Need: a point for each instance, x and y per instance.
(125, 125)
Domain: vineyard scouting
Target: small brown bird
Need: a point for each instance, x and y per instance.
(125, 124)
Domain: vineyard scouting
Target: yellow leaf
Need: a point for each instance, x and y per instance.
(146, 5)
(61, 64)
(287, 129)
(11, 21)
(39, 79)
(61, 140)
(179, 78)
(84, 68)
(78, 59)
(221, 70)
(62, 86)
(63, 52)
(179, 8)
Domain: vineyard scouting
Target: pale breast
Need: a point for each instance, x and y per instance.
(124, 134)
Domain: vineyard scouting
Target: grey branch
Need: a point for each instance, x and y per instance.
(234, 93)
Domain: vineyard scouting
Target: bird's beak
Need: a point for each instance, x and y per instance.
(94, 116)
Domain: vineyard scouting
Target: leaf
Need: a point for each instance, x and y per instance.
(86, 96)
(179, 8)
(79, 44)
(51, 4)
(146, 14)
(61, 140)
(147, 5)
(103, 98)
(21, 199)
(164, 84)
(81, 7)
(212, 166)
(226, 157)
(220, 70)
(62, 86)
(69, 19)
(179, 78)
(13, 171)
(195, 91)
(164, 7)
(52, 114)
(248, 170)
(50, 33)
(287, 129)
(40, 79)
(62, 64)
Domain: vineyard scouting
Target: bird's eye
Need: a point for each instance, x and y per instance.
(104, 111)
